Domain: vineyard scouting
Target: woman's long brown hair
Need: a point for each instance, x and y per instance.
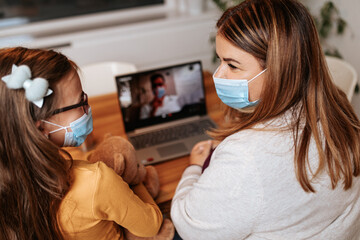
(34, 175)
(282, 36)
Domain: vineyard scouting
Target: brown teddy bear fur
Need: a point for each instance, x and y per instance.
(118, 153)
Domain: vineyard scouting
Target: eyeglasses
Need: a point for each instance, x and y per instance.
(83, 103)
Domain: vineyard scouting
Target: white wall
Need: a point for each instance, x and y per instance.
(147, 37)
(349, 43)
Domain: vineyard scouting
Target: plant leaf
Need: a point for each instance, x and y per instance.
(341, 25)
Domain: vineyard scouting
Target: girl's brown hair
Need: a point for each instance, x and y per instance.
(282, 36)
(34, 175)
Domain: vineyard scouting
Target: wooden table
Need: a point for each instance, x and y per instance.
(107, 118)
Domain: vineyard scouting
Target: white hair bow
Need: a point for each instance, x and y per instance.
(35, 89)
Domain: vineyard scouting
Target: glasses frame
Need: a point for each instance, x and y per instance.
(83, 103)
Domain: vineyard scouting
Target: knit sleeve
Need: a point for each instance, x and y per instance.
(222, 203)
(113, 200)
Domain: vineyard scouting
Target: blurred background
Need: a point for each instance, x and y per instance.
(148, 33)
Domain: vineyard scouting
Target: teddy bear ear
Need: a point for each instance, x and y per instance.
(119, 163)
(107, 135)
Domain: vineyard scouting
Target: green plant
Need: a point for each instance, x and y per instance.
(329, 19)
(225, 4)
(330, 22)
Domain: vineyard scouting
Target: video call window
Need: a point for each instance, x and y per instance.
(17, 12)
(161, 95)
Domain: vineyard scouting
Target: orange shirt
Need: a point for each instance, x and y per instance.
(99, 200)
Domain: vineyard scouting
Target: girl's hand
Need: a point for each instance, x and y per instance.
(200, 152)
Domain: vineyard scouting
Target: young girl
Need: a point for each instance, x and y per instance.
(44, 194)
(288, 163)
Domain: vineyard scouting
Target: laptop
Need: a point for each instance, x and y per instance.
(164, 111)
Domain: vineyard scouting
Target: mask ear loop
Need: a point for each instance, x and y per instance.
(257, 75)
(54, 124)
(217, 69)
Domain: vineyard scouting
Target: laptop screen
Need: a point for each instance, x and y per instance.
(161, 95)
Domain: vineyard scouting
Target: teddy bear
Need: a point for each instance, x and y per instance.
(119, 154)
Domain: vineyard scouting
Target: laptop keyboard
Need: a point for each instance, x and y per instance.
(171, 134)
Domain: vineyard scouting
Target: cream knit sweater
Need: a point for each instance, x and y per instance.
(250, 191)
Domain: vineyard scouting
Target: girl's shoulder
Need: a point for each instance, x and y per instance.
(87, 178)
(89, 170)
(83, 165)
(84, 174)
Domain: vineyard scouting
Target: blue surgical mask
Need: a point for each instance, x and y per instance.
(80, 128)
(160, 92)
(234, 92)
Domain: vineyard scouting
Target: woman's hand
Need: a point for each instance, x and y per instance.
(200, 152)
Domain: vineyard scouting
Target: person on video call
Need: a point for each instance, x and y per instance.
(161, 104)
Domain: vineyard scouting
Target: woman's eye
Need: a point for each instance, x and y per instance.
(232, 66)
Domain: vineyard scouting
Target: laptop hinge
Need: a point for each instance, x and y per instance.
(163, 125)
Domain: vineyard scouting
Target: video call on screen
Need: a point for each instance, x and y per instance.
(180, 89)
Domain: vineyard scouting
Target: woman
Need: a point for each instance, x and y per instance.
(288, 163)
(44, 194)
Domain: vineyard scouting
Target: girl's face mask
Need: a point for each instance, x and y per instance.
(234, 92)
(80, 128)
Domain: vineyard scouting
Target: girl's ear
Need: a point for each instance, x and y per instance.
(39, 125)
